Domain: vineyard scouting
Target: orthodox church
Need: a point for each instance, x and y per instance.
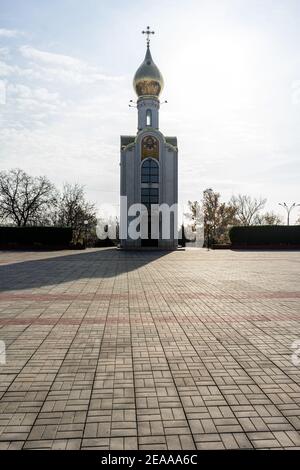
(148, 169)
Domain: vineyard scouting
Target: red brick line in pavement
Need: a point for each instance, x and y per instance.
(144, 318)
(184, 295)
(55, 297)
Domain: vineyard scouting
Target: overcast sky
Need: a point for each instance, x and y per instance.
(232, 81)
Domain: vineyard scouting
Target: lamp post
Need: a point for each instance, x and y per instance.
(288, 209)
(85, 231)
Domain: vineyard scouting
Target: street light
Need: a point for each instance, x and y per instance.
(288, 209)
(85, 222)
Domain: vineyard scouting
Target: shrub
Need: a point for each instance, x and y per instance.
(265, 235)
(33, 236)
(105, 243)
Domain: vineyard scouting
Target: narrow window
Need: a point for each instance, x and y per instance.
(150, 171)
(148, 117)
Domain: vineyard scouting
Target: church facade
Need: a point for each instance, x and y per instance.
(148, 170)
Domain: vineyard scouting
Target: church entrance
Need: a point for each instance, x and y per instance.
(150, 242)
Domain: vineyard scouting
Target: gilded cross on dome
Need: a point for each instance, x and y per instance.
(148, 32)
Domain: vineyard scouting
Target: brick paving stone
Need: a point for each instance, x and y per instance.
(109, 349)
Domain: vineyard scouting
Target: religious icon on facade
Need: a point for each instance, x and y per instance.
(150, 147)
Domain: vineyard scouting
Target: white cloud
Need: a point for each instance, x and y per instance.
(50, 58)
(33, 103)
(51, 66)
(25, 92)
(63, 138)
(296, 92)
(6, 69)
(4, 52)
(10, 33)
(29, 107)
(2, 92)
(64, 154)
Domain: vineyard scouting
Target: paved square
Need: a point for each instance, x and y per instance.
(123, 350)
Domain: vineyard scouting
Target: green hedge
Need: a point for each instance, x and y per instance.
(28, 236)
(265, 235)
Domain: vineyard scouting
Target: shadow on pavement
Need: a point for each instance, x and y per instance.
(98, 264)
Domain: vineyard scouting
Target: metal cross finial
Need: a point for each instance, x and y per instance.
(148, 32)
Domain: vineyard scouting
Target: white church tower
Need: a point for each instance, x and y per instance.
(149, 169)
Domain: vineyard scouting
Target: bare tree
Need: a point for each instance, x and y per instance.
(194, 214)
(24, 199)
(218, 216)
(74, 211)
(269, 218)
(246, 208)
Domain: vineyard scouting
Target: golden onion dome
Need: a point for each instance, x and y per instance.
(148, 80)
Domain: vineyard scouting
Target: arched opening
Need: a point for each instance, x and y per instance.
(150, 171)
(149, 117)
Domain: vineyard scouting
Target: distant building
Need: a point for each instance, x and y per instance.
(149, 168)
